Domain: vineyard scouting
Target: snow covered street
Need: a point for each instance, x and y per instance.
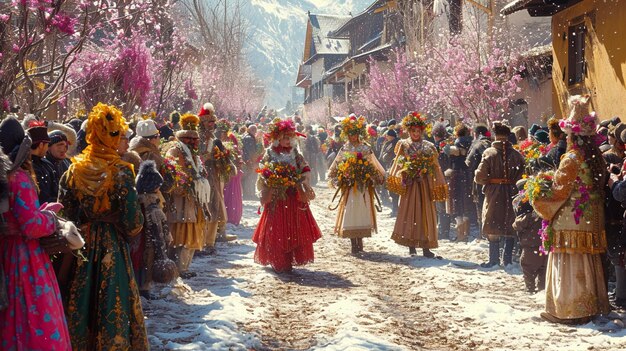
(384, 300)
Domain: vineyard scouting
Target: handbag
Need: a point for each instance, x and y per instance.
(65, 239)
(395, 185)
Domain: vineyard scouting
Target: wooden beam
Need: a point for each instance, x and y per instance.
(486, 9)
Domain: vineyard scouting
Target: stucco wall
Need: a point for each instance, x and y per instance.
(605, 53)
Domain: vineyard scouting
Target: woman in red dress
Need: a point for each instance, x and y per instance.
(287, 229)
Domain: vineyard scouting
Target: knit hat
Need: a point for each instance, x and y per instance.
(188, 126)
(11, 135)
(57, 136)
(580, 121)
(206, 110)
(38, 132)
(146, 128)
(542, 136)
(392, 133)
(148, 178)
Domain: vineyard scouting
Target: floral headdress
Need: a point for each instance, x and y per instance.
(580, 121)
(279, 127)
(415, 119)
(189, 124)
(223, 125)
(353, 126)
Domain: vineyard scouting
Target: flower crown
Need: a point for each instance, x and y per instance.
(414, 119)
(353, 126)
(189, 121)
(585, 127)
(280, 127)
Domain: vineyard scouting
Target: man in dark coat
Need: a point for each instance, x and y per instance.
(482, 142)
(501, 167)
(387, 156)
(47, 179)
(440, 135)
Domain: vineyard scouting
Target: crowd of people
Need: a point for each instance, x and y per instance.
(95, 210)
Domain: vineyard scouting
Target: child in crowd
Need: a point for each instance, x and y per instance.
(527, 224)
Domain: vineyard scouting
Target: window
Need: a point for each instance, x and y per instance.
(576, 54)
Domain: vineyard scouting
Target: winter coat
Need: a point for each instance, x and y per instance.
(498, 176)
(47, 179)
(216, 206)
(552, 159)
(156, 233)
(474, 156)
(132, 158)
(527, 224)
(387, 154)
(249, 148)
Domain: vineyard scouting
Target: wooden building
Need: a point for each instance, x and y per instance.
(588, 57)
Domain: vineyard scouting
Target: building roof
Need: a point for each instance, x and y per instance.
(537, 8)
(375, 7)
(322, 28)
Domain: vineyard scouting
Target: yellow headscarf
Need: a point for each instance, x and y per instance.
(93, 171)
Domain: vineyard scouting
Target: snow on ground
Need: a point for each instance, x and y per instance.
(383, 300)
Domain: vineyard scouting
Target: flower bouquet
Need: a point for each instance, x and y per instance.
(181, 178)
(355, 171)
(223, 163)
(280, 176)
(417, 166)
(538, 186)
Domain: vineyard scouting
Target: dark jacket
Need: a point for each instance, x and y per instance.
(387, 154)
(475, 153)
(552, 159)
(527, 224)
(47, 179)
(248, 148)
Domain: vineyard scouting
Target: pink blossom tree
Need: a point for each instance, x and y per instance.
(392, 89)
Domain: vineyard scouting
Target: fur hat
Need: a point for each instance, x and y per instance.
(189, 124)
(580, 121)
(619, 130)
(146, 128)
(501, 128)
(207, 110)
(392, 133)
(148, 178)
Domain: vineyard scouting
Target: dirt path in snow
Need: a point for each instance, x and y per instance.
(380, 280)
(383, 300)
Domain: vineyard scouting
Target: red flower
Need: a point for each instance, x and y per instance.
(266, 173)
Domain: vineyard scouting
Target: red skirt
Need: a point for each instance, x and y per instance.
(285, 234)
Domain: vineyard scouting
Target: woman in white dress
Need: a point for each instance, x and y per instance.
(356, 217)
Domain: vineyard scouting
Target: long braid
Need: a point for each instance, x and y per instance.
(506, 160)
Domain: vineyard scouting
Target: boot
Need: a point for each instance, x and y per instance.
(427, 253)
(359, 244)
(494, 255)
(463, 229)
(355, 248)
(412, 251)
(507, 257)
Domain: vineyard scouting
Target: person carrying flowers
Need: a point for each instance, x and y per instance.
(574, 230)
(355, 172)
(417, 168)
(188, 208)
(287, 230)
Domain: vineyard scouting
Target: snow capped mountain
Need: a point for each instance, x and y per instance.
(278, 29)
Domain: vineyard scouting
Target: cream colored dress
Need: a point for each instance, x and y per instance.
(575, 285)
(357, 215)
